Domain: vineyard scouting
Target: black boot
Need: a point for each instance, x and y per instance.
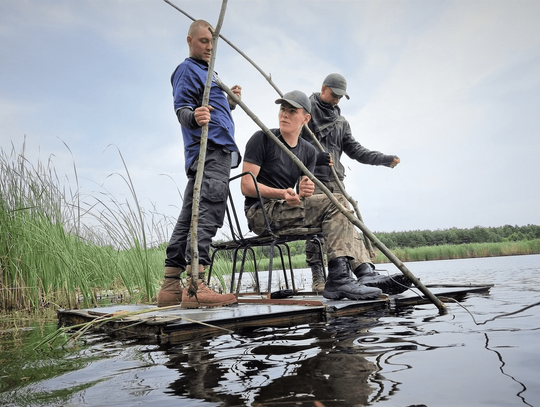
(318, 281)
(340, 284)
(394, 284)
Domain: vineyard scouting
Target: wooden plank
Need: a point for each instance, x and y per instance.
(176, 324)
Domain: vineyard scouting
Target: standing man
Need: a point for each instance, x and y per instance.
(334, 133)
(277, 175)
(188, 82)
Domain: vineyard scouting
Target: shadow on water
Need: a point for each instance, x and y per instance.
(278, 366)
(483, 352)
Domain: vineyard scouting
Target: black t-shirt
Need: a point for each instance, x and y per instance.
(277, 169)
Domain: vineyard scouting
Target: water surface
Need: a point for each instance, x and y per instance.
(473, 356)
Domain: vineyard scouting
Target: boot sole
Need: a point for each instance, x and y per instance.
(168, 303)
(397, 285)
(337, 295)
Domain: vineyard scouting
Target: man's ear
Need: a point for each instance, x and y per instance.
(307, 118)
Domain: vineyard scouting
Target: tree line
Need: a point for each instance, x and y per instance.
(426, 238)
(454, 236)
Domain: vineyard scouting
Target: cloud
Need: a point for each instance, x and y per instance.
(451, 87)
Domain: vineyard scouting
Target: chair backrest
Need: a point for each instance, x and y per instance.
(237, 234)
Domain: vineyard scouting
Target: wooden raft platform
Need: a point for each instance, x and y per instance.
(174, 324)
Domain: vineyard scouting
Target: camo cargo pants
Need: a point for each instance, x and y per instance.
(341, 237)
(312, 248)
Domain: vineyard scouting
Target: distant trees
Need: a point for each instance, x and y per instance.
(423, 238)
(478, 234)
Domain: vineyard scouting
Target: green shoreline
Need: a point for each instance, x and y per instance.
(464, 251)
(62, 248)
(427, 253)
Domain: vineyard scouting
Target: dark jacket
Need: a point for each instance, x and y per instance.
(334, 133)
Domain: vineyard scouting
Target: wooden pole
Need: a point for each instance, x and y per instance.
(357, 222)
(192, 289)
(319, 145)
(342, 189)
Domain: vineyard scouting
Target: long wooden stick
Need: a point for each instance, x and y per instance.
(202, 157)
(357, 222)
(319, 145)
(267, 77)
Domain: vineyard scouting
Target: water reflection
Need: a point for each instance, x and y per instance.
(410, 356)
(285, 366)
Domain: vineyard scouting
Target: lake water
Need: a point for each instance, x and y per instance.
(482, 353)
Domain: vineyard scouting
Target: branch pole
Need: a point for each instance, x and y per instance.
(316, 140)
(267, 77)
(354, 220)
(202, 158)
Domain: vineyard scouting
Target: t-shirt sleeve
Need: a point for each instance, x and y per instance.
(254, 153)
(187, 88)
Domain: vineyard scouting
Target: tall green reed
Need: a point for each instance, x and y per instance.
(462, 251)
(57, 244)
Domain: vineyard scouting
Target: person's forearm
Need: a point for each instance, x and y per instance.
(186, 117)
(248, 189)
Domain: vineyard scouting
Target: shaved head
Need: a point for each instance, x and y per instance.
(197, 24)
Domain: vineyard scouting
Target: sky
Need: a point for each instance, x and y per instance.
(451, 87)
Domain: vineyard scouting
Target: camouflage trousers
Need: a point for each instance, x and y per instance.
(317, 211)
(312, 248)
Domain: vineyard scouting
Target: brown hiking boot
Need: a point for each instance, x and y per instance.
(318, 281)
(206, 297)
(318, 285)
(171, 290)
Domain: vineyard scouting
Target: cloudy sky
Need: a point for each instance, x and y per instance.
(451, 87)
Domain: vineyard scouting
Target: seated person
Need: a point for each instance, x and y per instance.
(277, 176)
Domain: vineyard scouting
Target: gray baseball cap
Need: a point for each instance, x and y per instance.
(337, 83)
(297, 99)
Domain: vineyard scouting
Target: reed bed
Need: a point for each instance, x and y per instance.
(463, 251)
(60, 247)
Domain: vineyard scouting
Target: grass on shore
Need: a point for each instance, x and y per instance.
(61, 248)
(463, 251)
(444, 252)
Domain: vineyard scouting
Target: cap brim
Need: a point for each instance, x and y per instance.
(340, 92)
(291, 102)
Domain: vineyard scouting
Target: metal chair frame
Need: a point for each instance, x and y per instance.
(272, 238)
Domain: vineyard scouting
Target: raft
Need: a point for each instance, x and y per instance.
(174, 324)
